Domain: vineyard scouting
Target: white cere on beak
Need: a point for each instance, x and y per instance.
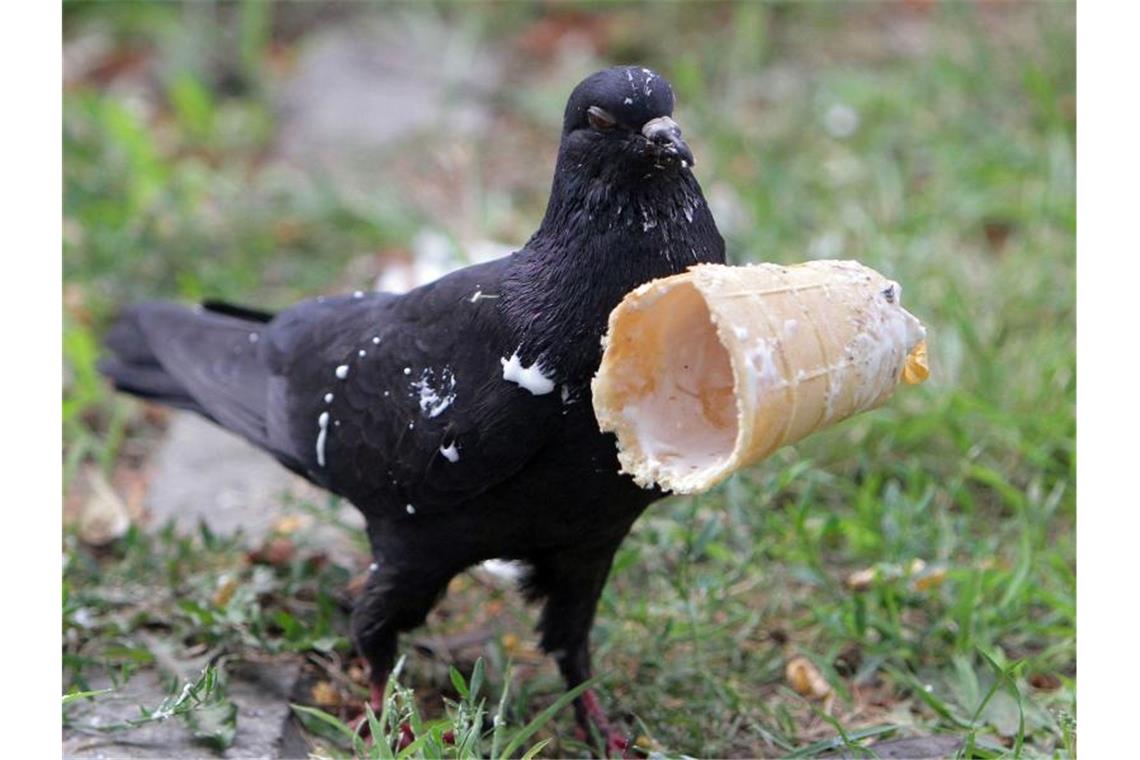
(662, 124)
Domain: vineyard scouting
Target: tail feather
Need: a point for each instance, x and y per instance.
(207, 361)
(133, 368)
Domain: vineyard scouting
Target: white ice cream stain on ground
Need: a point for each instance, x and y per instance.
(342, 371)
(328, 398)
(450, 452)
(411, 510)
(323, 424)
(531, 378)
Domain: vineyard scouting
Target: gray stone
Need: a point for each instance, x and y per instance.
(265, 724)
(911, 748)
(204, 473)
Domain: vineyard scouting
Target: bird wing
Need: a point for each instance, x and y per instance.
(394, 401)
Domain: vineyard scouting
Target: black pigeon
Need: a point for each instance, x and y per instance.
(457, 417)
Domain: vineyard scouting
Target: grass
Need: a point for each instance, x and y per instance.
(957, 179)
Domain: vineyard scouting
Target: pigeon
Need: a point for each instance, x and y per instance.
(457, 417)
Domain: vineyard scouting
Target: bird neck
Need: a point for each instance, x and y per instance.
(604, 234)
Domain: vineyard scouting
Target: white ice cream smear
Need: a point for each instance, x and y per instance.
(450, 453)
(435, 397)
(342, 371)
(323, 424)
(531, 378)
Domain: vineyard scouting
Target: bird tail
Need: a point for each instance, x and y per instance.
(207, 360)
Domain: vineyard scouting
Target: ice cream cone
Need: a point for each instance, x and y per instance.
(711, 370)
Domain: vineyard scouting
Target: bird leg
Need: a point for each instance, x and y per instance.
(588, 711)
(572, 584)
(392, 601)
(376, 698)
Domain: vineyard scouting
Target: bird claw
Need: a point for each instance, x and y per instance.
(376, 702)
(407, 734)
(617, 742)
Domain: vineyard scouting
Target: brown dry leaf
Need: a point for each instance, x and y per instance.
(357, 675)
(291, 524)
(930, 579)
(276, 551)
(520, 650)
(803, 676)
(325, 695)
(104, 516)
(1044, 681)
(225, 592)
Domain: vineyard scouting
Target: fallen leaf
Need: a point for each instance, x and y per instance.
(325, 695)
(276, 551)
(861, 580)
(1044, 681)
(105, 516)
(290, 524)
(930, 579)
(803, 676)
(225, 592)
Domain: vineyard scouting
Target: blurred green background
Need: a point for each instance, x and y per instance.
(266, 152)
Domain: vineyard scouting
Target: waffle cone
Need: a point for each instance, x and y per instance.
(711, 370)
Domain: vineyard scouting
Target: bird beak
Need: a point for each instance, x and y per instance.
(664, 133)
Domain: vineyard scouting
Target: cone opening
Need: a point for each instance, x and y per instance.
(673, 384)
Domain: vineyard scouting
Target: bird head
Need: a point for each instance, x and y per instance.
(623, 115)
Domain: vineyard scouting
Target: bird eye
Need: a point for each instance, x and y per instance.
(599, 118)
